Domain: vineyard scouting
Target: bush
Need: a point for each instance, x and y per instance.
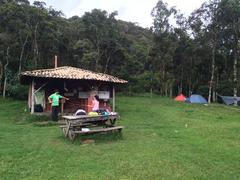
(203, 90)
(142, 83)
(18, 91)
(225, 88)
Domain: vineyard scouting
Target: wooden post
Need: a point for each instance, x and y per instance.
(62, 105)
(32, 100)
(113, 98)
(55, 61)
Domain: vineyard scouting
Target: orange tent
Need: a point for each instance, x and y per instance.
(180, 97)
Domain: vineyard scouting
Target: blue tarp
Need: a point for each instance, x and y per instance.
(195, 98)
(228, 100)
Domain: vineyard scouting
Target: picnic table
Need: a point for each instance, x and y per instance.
(85, 124)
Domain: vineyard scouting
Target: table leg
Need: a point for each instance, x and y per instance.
(67, 130)
(112, 121)
(71, 135)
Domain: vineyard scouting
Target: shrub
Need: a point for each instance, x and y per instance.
(18, 91)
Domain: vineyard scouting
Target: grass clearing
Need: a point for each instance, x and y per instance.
(162, 139)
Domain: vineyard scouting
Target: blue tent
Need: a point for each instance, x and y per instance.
(195, 98)
(228, 100)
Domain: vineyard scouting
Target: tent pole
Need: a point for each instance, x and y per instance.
(113, 98)
(32, 100)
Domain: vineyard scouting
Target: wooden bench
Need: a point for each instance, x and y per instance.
(72, 134)
(79, 125)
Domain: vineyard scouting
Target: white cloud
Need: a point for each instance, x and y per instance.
(134, 10)
(185, 6)
(128, 10)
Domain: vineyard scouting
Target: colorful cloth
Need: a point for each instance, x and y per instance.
(93, 114)
(95, 105)
(40, 98)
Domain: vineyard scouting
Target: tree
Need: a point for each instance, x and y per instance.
(99, 28)
(230, 20)
(164, 45)
(198, 54)
(207, 14)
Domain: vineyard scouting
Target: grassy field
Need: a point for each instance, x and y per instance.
(162, 139)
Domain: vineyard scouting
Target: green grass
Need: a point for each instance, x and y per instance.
(162, 139)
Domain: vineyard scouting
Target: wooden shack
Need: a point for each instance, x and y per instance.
(77, 84)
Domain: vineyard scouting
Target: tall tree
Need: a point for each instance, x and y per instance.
(207, 14)
(230, 20)
(100, 29)
(164, 45)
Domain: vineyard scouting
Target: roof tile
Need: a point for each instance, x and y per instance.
(67, 72)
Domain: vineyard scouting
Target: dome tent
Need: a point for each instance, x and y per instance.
(180, 98)
(229, 100)
(196, 98)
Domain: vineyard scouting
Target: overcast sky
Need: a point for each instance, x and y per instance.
(128, 10)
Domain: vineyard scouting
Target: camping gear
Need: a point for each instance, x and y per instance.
(80, 112)
(228, 100)
(187, 100)
(196, 98)
(102, 112)
(93, 113)
(180, 98)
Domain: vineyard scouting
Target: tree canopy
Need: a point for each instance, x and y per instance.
(195, 54)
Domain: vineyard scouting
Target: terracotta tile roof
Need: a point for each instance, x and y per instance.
(67, 72)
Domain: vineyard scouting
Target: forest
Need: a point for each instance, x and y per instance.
(194, 54)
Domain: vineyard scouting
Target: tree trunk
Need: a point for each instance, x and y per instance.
(214, 95)
(1, 75)
(151, 80)
(216, 87)
(190, 78)
(235, 78)
(235, 63)
(21, 56)
(212, 74)
(108, 60)
(181, 83)
(99, 55)
(190, 86)
(166, 90)
(35, 46)
(235, 82)
(163, 87)
(171, 91)
(106, 66)
(5, 73)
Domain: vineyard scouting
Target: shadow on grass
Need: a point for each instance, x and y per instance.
(45, 123)
(98, 138)
(42, 120)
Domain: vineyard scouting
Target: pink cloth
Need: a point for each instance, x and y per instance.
(95, 104)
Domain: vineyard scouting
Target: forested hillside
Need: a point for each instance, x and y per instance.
(198, 54)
